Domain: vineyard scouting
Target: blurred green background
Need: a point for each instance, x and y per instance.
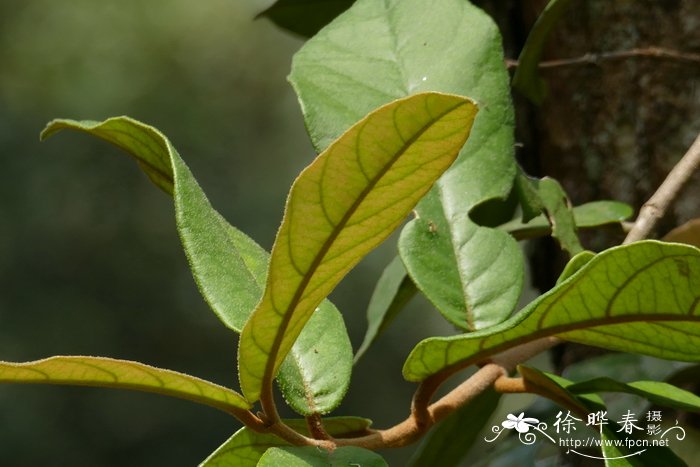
(90, 262)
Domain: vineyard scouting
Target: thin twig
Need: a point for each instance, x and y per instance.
(654, 209)
(597, 58)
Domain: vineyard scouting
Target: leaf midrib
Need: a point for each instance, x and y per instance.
(306, 278)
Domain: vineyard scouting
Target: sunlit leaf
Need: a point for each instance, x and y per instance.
(246, 446)
(576, 263)
(527, 79)
(309, 456)
(391, 294)
(642, 298)
(379, 51)
(122, 374)
(589, 215)
(230, 268)
(659, 393)
(340, 208)
(305, 17)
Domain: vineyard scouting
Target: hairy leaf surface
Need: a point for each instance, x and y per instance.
(230, 268)
(642, 298)
(378, 51)
(122, 374)
(341, 207)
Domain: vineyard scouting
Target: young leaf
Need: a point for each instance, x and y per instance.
(379, 51)
(341, 207)
(229, 267)
(642, 298)
(448, 443)
(659, 393)
(309, 456)
(528, 195)
(304, 17)
(527, 79)
(559, 214)
(246, 446)
(391, 294)
(122, 374)
(586, 216)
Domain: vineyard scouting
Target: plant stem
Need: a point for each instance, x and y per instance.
(654, 209)
(596, 59)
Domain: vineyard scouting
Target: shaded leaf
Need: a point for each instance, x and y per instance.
(341, 207)
(688, 233)
(641, 298)
(246, 446)
(305, 17)
(229, 267)
(528, 195)
(391, 294)
(559, 214)
(448, 443)
(586, 216)
(527, 79)
(379, 51)
(309, 456)
(122, 374)
(663, 394)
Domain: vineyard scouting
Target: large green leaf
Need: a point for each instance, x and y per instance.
(586, 216)
(305, 17)
(341, 207)
(642, 298)
(659, 393)
(527, 79)
(230, 268)
(393, 291)
(450, 441)
(122, 374)
(246, 446)
(309, 456)
(379, 51)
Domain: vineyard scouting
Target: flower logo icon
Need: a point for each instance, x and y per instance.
(520, 423)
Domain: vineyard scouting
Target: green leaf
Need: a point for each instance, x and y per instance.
(315, 457)
(378, 51)
(659, 393)
(527, 79)
(642, 298)
(122, 374)
(391, 294)
(559, 214)
(448, 443)
(246, 446)
(230, 268)
(528, 195)
(342, 206)
(305, 17)
(589, 215)
(574, 264)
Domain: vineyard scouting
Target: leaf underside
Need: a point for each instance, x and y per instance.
(341, 207)
(641, 298)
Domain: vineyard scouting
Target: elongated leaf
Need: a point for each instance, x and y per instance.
(305, 17)
(612, 444)
(122, 374)
(450, 441)
(229, 267)
(246, 446)
(527, 80)
(642, 298)
(663, 394)
(586, 216)
(309, 456)
(341, 207)
(559, 214)
(379, 51)
(391, 294)
(528, 195)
